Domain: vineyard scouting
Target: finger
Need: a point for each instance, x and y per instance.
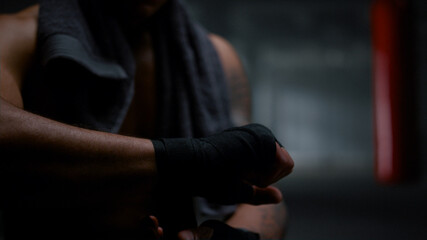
(267, 195)
(186, 235)
(285, 161)
(282, 167)
(201, 232)
(160, 232)
(151, 224)
(155, 222)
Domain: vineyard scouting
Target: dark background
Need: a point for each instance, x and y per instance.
(309, 63)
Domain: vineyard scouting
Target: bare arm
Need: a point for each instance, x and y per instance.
(238, 84)
(34, 148)
(267, 220)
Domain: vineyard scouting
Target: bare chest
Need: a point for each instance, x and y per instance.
(140, 120)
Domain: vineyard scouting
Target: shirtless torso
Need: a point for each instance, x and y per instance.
(141, 117)
(17, 47)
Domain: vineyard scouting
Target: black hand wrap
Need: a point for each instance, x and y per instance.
(212, 167)
(222, 231)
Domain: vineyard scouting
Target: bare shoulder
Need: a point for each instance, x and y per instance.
(22, 24)
(238, 83)
(227, 53)
(18, 36)
(17, 46)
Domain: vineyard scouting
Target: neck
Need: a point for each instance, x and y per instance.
(136, 33)
(135, 25)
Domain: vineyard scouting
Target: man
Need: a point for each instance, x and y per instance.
(108, 114)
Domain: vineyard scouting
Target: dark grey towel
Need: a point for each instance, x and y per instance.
(86, 79)
(193, 88)
(192, 93)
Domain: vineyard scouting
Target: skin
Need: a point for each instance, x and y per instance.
(90, 157)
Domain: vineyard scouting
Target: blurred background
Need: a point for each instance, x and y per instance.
(310, 66)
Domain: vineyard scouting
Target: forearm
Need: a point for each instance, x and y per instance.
(269, 221)
(34, 147)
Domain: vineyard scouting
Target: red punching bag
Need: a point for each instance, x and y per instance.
(394, 92)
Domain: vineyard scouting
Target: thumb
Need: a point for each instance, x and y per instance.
(267, 195)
